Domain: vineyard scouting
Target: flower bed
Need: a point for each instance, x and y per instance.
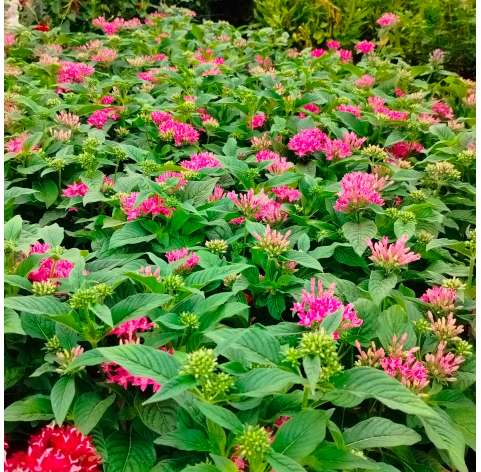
(222, 254)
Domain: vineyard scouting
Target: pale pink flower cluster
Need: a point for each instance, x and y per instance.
(73, 72)
(51, 269)
(188, 258)
(427, 118)
(315, 305)
(150, 206)
(378, 105)
(148, 271)
(207, 120)
(273, 242)
(16, 145)
(39, 248)
(440, 298)
(392, 256)
(353, 109)
(345, 55)
(442, 110)
(443, 365)
(105, 55)
(169, 128)
(203, 160)
(258, 120)
(178, 176)
(279, 164)
(286, 194)
(358, 190)
(333, 44)
(128, 329)
(206, 56)
(259, 206)
(319, 52)
(387, 19)
(112, 27)
(217, 194)
(445, 328)
(99, 117)
(365, 47)
(70, 120)
(8, 39)
(365, 81)
(77, 189)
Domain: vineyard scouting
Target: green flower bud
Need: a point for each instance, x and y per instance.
(9, 246)
(189, 320)
(466, 158)
(172, 283)
(200, 363)
(425, 236)
(53, 344)
(253, 443)
(83, 298)
(216, 385)
(103, 291)
(149, 167)
(376, 153)
(91, 145)
(291, 356)
(56, 252)
(46, 287)
(217, 246)
(453, 283)
(418, 195)
(230, 279)
(421, 326)
(463, 348)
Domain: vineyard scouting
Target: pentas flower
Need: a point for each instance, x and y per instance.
(217, 194)
(248, 203)
(129, 329)
(315, 305)
(365, 47)
(403, 149)
(258, 120)
(307, 141)
(353, 140)
(56, 448)
(16, 145)
(207, 56)
(359, 190)
(51, 269)
(112, 27)
(150, 206)
(70, 120)
(399, 92)
(319, 52)
(8, 39)
(311, 107)
(442, 110)
(115, 374)
(272, 242)
(443, 365)
(99, 117)
(177, 176)
(204, 160)
(354, 110)
(107, 100)
(280, 166)
(333, 44)
(105, 55)
(189, 259)
(378, 105)
(38, 248)
(345, 55)
(73, 72)
(387, 19)
(440, 298)
(392, 256)
(271, 212)
(169, 128)
(445, 328)
(78, 189)
(365, 81)
(286, 194)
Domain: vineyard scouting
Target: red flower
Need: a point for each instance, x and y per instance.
(41, 27)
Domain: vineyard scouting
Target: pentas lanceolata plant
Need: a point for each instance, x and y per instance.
(222, 254)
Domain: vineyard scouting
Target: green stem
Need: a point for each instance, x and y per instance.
(471, 271)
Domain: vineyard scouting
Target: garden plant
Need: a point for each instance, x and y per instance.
(223, 254)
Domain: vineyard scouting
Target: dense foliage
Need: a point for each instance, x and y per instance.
(222, 254)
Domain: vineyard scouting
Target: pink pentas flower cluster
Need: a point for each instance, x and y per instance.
(17, 145)
(333, 44)
(307, 141)
(38, 248)
(403, 149)
(217, 194)
(105, 55)
(286, 194)
(203, 160)
(51, 269)
(77, 189)
(312, 107)
(180, 179)
(258, 120)
(440, 298)
(258, 206)
(315, 305)
(117, 24)
(392, 256)
(153, 206)
(169, 128)
(345, 55)
(207, 56)
(387, 19)
(365, 47)
(443, 365)
(365, 81)
(128, 329)
(353, 109)
(359, 190)
(188, 258)
(8, 39)
(319, 52)
(73, 72)
(107, 100)
(116, 374)
(279, 163)
(56, 448)
(99, 117)
(442, 110)
(378, 105)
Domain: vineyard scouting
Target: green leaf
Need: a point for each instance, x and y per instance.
(33, 408)
(136, 305)
(52, 234)
(303, 259)
(129, 453)
(331, 322)
(380, 285)
(359, 383)
(131, 233)
(359, 233)
(401, 228)
(89, 409)
(300, 436)
(47, 305)
(379, 432)
(203, 277)
(12, 323)
(282, 463)
(185, 440)
(61, 397)
(47, 192)
(220, 416)
(223, 464)
(312, 368)
(173, 388)
(103, 313)
(394, 322)
(159, 417)
(13, 229)
(264, 381)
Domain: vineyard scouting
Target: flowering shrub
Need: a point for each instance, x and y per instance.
(222, 254)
